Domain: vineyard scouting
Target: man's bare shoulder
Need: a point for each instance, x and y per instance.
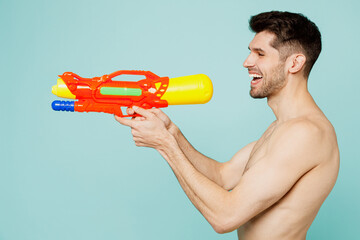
(314, 128)
(311, 136)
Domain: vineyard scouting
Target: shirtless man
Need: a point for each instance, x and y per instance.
(279, 182)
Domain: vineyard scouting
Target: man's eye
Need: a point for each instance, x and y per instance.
(260, 54)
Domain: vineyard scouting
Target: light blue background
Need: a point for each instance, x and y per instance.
(80, 176)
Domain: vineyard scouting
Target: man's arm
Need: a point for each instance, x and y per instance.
(226, 174)
(205, 165)
(291, 155)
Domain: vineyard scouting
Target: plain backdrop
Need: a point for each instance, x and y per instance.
(80, 176)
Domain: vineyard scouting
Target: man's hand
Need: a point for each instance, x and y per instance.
(160, 114)
(149, 130)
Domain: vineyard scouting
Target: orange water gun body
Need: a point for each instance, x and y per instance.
(103, 94)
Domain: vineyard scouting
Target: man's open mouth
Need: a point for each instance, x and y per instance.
(256, 78)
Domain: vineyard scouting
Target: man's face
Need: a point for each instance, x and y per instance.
(264, 66)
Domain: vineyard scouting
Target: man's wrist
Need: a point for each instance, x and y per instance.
(174, 130)
(168, 144)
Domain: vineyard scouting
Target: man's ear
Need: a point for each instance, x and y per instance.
(296, 62)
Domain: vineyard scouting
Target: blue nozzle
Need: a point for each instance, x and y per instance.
(63, 105)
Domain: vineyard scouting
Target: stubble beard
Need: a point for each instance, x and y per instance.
(272, 86)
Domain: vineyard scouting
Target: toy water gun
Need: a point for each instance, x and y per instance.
(103, 94)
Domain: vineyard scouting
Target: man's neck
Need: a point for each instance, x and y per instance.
(292, 101)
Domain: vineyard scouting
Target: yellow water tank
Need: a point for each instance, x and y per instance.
(193, 89)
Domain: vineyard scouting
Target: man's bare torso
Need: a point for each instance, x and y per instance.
(292, 215)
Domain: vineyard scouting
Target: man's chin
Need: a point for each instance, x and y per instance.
(257, 95)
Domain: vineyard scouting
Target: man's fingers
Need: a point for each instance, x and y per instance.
(124, 121)
(142, 112)
(139, 118)
(130, 111)
(161, 115)
(156, 112)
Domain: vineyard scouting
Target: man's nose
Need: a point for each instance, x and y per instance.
(249, 62)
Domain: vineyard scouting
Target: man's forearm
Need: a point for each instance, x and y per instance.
(207, 196)
(205, 165)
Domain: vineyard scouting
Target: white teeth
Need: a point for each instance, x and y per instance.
(255, 75)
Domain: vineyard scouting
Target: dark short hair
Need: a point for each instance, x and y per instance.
(292, 30)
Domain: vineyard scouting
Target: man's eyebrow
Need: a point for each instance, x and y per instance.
(256, 49)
